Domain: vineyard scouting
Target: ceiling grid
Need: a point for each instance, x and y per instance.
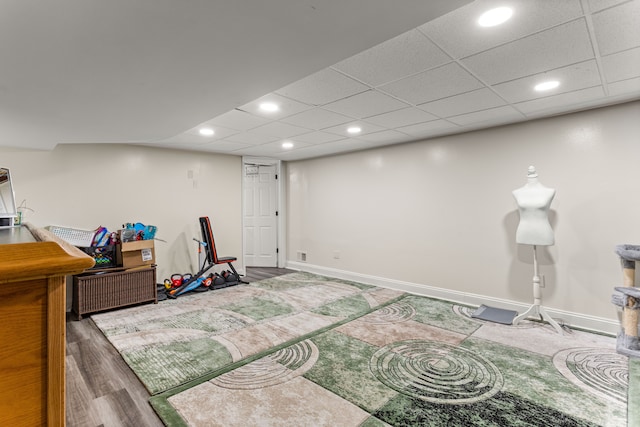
(441, 75)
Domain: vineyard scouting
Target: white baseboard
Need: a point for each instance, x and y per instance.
(575, 320)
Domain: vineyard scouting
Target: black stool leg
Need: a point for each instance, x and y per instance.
(236, 273)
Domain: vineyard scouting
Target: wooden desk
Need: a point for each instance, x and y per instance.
(33, 266)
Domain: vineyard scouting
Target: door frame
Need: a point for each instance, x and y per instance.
(281, 218)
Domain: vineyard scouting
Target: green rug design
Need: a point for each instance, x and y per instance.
(416, 362)
(305, 350)
(177, 341)
(436, 372)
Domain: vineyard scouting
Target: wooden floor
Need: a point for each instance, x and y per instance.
(101, 390)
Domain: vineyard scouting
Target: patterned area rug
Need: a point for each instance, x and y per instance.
(388, 360)
(177, 341)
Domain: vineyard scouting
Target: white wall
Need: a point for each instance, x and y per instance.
(85, 186)
(440, 212)
(433, 213)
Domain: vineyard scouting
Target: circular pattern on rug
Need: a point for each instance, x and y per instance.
(277, 368)
(599, 371)
(463, 311)
(436, 372)
(393, 313)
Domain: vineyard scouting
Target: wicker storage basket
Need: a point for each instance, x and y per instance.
(98, 292)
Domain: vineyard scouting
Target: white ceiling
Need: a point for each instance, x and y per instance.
(155, 72)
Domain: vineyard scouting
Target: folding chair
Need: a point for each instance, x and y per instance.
(210, 248)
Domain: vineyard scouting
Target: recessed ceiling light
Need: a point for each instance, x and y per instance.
(206, 131)
(548, 85)
(494, 17)
(287, 144)
(354, 129)
(269, 107)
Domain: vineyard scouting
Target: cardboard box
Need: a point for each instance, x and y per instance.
(135, 254)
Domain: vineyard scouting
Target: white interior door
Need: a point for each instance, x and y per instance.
(260, 216)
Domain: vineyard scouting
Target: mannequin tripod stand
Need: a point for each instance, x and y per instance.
(536, 309)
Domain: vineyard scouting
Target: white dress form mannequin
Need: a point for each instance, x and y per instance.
(534, 200)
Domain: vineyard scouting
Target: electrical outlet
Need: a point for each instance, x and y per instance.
(302, 256)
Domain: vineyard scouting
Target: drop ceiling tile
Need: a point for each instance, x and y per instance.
(618, 28)
(548, 50)
(295, 155)
(251, 138)
(493, 116)
(630, 88)
(328, 149)
(404, 117)
(622, 65)
(572, 78)
(257, 152)
(317, 119)
(469, 102)
(318, 137)
(383, 143)
(597, 5)
(236, 119)
(271, 150)
(192, 136)
(276, 147)
(559, 103)
(433, 95)
(422, 130)
(344, 145)
(366, 104)
(225, 146)
(220, 132)
(342, 129)
(389, 136)
(459, 34)
(404, 55)
(280, 130)
(287, 107)
(442, 82)
(322, 87)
